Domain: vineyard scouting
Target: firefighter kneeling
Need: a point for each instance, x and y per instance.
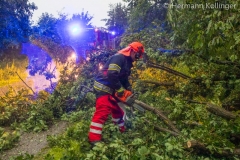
(112, 88)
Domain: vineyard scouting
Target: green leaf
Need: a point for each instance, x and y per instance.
(143, 150)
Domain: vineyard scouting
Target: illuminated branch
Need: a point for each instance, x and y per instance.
(169, 70)
(159, 83)
(25, 83)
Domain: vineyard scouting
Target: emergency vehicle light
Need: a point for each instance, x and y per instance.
(75, 29)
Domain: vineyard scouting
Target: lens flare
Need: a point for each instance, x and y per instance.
(113, 33)
(75, 29)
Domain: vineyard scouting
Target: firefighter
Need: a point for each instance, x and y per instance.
(112, 84)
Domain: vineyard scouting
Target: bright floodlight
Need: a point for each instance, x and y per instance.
(75, 29)
(113, 33)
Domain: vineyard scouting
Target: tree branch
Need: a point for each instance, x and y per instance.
(25, 83)
(160, 114)
(159, 83)
(220, 111)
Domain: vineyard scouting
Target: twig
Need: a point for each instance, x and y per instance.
(25, 83)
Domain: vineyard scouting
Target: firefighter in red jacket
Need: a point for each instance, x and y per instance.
(110, 85)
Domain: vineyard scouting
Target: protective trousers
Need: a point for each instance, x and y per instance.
(105, 105)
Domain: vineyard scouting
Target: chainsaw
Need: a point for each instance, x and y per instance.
(129, 111)
(130, 101)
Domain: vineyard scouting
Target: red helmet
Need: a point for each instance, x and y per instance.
(136, 46)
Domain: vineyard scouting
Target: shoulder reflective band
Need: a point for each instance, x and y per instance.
(114, 67)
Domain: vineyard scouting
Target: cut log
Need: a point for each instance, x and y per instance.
(159, 83)
(193, 143)
(220, 111)
(163, 129)
(160, 114)
(196, 144)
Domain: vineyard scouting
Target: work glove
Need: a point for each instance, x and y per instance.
(120, 92)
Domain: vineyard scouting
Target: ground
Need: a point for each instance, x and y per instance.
(33, 143)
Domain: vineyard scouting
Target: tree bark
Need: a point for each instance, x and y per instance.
(159, 83)
(160, 114)
(220, 111)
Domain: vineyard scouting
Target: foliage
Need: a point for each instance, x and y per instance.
(131, 145)
(15, 22)
(211, 33)
(117, 20)
(25, 156)
(7, 139)
(12, 62)
(14, 106)
(38, 119)
(8, 75)
(46, 27)
(145, 14)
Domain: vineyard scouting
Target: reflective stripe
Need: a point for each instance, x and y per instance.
(101, 87)
(121, 124)
(95, 131)
(96, 124)
(115, 119)
(114, 67)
